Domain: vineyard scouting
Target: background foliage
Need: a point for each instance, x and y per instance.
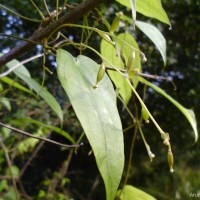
(46, 169)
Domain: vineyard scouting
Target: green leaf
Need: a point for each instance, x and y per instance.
(3, 185)
(5, 102)
(53, 128)
(19, 70)
(26, 145)
(109, 52)
(133, 8)
(24, 74)
(12, 170)
(155, 35)
(13, 83)
(96, 110)
(132, 193)
(149, 8)
(41, 91)
(188, 113)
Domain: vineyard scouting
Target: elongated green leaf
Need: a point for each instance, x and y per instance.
(109, 52)
(96, 109)
(149, 8)
(53, 128)
(24, 74)
(188, 113)
(12, 83)
(132, 193)
(41, 91)
(19, 70)
(155, 35)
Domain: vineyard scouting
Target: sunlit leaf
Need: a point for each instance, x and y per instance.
(109, 52)
(149, 8)
(188, 113)
(19, 70)
(96, 109)
(132, 193)
(155, 35)
(133, 8)
(13, 83)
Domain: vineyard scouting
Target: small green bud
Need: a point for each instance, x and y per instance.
(100, 75)
(115, 24)
(145, 114)
(131, 60)
(170, 158)
(106, 38)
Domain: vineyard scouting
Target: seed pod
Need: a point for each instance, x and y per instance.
(170, 159)
(100, 74)
(106, 38)
(115, 24)
(145, 114)
(131, 60)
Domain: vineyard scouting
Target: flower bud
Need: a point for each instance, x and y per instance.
(170, 160)
(100, 74)
(131, 60)
(106, 38)
(144, 58)
(145, 114)
(115, 24)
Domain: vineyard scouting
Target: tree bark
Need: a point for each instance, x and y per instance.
(40, 34)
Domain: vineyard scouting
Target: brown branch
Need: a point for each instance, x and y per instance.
(39, 138)
(38, 35)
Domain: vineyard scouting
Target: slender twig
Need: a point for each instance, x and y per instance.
(57, 4)
(10, 167)
(152, 76)
(46, 7)
(21, 16)
(39, 138)
(155, 77)
(131, 156)
(36, 150)
(94, 186)
(36, 7)
(23, 192)
(150, 154)
(126, 107)
(99, 32)
(62, 172)
(8, 177)
(19, 64)
(20, 38)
